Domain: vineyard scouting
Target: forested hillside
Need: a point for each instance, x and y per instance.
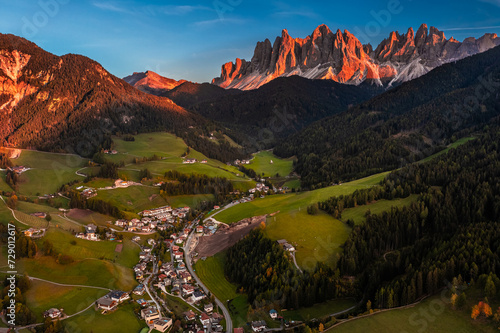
(400, 126)
(453, 231)
(71, 103)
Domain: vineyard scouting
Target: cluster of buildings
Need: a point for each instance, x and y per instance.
(87, 192)
(153, 319)
(160, 219)
(90, 233)
(193, 161)
(110, 301)
(34, 233)
(259, 187)
(18, 169)
(241, 162)
(207, 318)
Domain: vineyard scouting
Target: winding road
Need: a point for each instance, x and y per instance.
(187, 254)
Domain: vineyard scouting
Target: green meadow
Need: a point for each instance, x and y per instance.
(357, 214)
(432, 315)
(120, 321)
(211, 272)
(319, 310)
(261, 164)
(43, 296)
(317, 238)
(49, 171)
(294, 201)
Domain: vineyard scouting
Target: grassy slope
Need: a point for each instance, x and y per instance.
(171, 148)
(43, 296)
(357, 214)
(317, 238)
(432, 315)
(211, 272)
(89, 272)
(290, 202)
(319, 310)
(451, 146)
(49, 172)
(120, 321)
(261, 164)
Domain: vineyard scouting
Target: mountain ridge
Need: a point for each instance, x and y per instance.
(341, 57)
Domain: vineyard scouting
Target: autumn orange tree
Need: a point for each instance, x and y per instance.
(481, 308)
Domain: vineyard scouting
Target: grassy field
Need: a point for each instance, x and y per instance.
(319, 310)
(357, 214)
(87, 217)
(178, 306)
(316, 238)
(211, 272)
(432, 315)
(170, 149)
(261, 164)
(121, 321)
(134, 198)
(49, 171)
(89, 272)
(452, 146)
(42, 296)
(84, 249)
(293, 201)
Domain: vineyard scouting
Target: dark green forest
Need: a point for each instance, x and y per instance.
(401, 126)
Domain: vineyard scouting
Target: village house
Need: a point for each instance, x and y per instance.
(258, 326)
(35, 233)
(106, 303)
(217, 318)
(162, 324)
(187, 289)
(119, 296)
(273, 314)
(142, 302)
(197, 296)
(150, 315)
(208, 307)
(39, 215)
(139, 290)
(52, 313)
(205, 319)
(189, 315)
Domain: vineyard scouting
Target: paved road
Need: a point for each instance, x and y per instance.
(227, 316)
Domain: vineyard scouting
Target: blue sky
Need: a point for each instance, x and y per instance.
(191, 40)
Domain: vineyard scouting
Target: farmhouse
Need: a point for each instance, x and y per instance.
(119, 296)
(187, 289)
(40, 215)
(198, 296)
(52, 313)
(273, 314)
(139, 290)
(106, 303)
(258, 326)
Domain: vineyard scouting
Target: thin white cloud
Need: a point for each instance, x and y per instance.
(493, 2)
(109, 6)
(470, 28)
(307, 14)
(210, 23)
(183, 10)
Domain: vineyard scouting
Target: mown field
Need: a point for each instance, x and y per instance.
(49, 171)
(317, 238)
(90, 272)
(261, 164)
(432, 315)
(43, 296)
(293, 201)
(319, 310)
(170, 149)
(211, 272)
(120, 321)
(357, 214)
